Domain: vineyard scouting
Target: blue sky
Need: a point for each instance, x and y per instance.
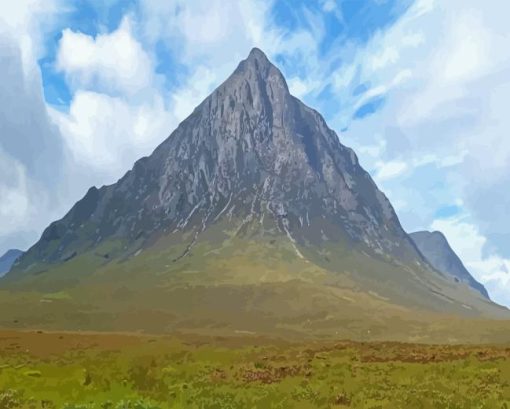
(417, 87)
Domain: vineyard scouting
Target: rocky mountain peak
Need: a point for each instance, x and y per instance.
(257, 54)
(255, 93)
(250, 151)
(256, 61)
(257, 69)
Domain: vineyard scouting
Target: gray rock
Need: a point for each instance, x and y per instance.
(437, 250)
(8, 259)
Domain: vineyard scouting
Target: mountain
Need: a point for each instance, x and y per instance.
(437, 250)
(8, 259)
(249, 151)
(251, 216)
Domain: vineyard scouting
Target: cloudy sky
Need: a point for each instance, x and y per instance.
(418, 88)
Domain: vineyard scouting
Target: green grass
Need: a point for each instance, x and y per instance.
(256, 285)
(253, 283)
(69, 370)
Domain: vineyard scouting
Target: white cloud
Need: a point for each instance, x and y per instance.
(14, 205)
(389, 170)
(463, 237)
(119, 111)
(108, 133)
(373, 151)
(301, 87)
(30, 144)
(468, 49)
(22, 201)
(190, 94)
(328, 5)
(114, 62)
(26, 21)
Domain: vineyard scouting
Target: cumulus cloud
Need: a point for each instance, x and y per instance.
(187, 96)
(115, 62)
(390, 170)
(31, 152)
(118, 111)
(26, 22)
(14, 193)
(213, 31)
(107, 134)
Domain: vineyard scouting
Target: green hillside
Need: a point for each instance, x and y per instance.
(232, 282)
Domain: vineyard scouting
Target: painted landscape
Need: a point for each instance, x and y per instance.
(249, 261)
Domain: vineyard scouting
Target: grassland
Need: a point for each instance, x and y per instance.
(90, 370)
(256, 284)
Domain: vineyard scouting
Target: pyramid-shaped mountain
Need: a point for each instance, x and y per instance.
(249, 151)
(251, 211)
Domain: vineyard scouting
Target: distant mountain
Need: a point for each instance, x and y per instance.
(436, 249)
(8, 259)
(251, 215)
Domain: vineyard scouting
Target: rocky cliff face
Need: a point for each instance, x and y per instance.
(249, 151)
(437, 250)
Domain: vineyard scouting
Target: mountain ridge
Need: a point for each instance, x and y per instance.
(436, 249)
(8, 259)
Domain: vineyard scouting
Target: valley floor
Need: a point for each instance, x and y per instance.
(91, 370)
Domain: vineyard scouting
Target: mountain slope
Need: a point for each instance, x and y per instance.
(8, 259)
(437, 250)
(250, 214)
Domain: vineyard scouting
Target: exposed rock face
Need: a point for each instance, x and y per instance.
(249, 151)
(437, 250)
(8, 259)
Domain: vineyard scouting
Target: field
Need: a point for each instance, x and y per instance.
(92, 370)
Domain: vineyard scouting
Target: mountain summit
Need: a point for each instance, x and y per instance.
(251, 203)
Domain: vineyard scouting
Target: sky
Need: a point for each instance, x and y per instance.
(418, 88)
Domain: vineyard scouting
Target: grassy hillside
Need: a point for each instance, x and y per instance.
(69, 370)
(229, 283)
